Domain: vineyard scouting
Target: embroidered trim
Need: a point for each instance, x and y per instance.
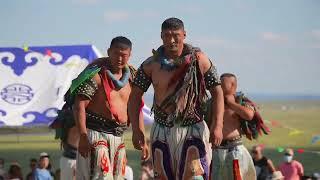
(142, 80)
(116, 158)
(211, 77)
(87, 88)
(161, 118)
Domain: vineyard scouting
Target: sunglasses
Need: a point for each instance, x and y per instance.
(254, 152)
(287, 154)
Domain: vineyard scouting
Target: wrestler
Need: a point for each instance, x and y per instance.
(180, 74)
(231, 160)
(100, 95)
(68, 133)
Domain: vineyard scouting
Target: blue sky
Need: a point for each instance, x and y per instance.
(272, 46)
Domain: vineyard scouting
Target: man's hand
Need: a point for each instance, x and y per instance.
(145, 152)
(139, 143)
(138, 140)
(84, 145)
(216, 136)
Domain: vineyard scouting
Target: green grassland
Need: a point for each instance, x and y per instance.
(304, 116)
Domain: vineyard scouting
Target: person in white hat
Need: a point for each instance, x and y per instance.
(41, 173)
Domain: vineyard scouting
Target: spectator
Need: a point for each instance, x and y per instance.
(33, 167)
(264, 166)
(291, 169)
(147, 170)
(15, 172)
(41, 173)
(3, 173)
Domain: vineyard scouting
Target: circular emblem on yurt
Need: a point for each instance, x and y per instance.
(17, 94)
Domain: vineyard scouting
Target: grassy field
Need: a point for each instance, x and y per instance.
(304, 116)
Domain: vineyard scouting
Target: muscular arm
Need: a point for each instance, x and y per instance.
(134, 104)
(79, 109)
(79, 112)
(243, 111)
(82, 100)
(217, 103)
(217, 107)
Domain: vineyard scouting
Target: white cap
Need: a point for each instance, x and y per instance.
(44, 154)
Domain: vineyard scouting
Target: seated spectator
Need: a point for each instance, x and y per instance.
(264, 166)
(15, 172)
(41, 173)
(33, 166)
(291, 169)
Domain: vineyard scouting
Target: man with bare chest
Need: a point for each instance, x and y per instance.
(231, 160)
(180, 75)
(100, 111)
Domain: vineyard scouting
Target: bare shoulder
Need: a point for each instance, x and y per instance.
(204, 62)
(149, 65)
(149, 61)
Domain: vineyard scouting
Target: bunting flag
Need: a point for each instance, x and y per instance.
(315, 139)
(295, 132)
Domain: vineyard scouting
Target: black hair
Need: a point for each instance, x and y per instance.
(228, 75)
(121, 42)
(172, 23)
(33, 160)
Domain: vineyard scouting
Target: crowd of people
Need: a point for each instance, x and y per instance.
(40, 169)
(109, 93)
(288, 169)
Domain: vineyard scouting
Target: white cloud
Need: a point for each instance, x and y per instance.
(274, 37)
(116, 16)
